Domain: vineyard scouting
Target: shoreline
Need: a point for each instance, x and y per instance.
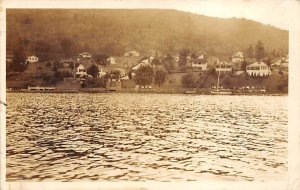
(105, 91)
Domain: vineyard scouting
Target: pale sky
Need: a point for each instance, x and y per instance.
(280, 13)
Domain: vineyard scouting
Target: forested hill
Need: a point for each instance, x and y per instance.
(67, 32)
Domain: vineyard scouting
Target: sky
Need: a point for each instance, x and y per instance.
(279, 13)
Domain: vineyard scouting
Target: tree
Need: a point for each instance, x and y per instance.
(188, 80)
(101, 59)
(160, 75)
(183, 57)
(259, 51)
(249, 52)
(144, 75)
(244, 65)
(93, 70)
(67, 46)
(268, 61)
(43, 50)
(168, 62)
(19, 60)
(156, 62)
(115, 74)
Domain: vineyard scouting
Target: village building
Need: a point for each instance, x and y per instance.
(111, 61)
(132, 53)
(224, 66)
(199, 63)
(67, 62)
(153, 53)
(81, 71)
(32, 59)
(285, 62)
(9, 57)
(84, 56)
(258, 69)
(125, 62)
(237, 57)
(282, 63)
(142, 62)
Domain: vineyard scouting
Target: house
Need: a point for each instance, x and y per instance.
(125, 62)
(104, 70)
(132, 53)
(199, 63)
(66, 62)
(237, 57)
(32, 59)
(142, 62)
(153, 53)
(84, 56)
(224, 66)
(81, 71)
(258, 69)
(111, 61)
(285, 61)
(9, 57)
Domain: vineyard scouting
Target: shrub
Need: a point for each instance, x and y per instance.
(188, 80)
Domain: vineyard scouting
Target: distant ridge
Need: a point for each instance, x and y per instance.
(113, 31)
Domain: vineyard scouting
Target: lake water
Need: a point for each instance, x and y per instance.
(142, 137)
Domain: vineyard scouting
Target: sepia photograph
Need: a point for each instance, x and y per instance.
(147, 93)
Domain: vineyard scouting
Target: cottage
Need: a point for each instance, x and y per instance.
(66, 63)
(81, 71)
(142, 62)
(224, 66)
(199, 63)
(237, 57)
(85, 55)
(9, 57)
(32, 59)
(111, 61)
(152, 52)
(285, 61)
(132, 53)
(258, 69)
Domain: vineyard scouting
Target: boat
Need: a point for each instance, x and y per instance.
(219, 91)
(190, 91)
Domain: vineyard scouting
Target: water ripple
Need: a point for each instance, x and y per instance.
(140, 137)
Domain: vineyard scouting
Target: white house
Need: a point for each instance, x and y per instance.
(258, 69)
(200, 65)
(85, 55)
(111, 61)
(237, 57)
(142, 62)
(32, 59)
(81, 71)
(224, 66)
(132, 53)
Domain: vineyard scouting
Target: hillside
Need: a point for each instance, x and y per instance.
(50, 32)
